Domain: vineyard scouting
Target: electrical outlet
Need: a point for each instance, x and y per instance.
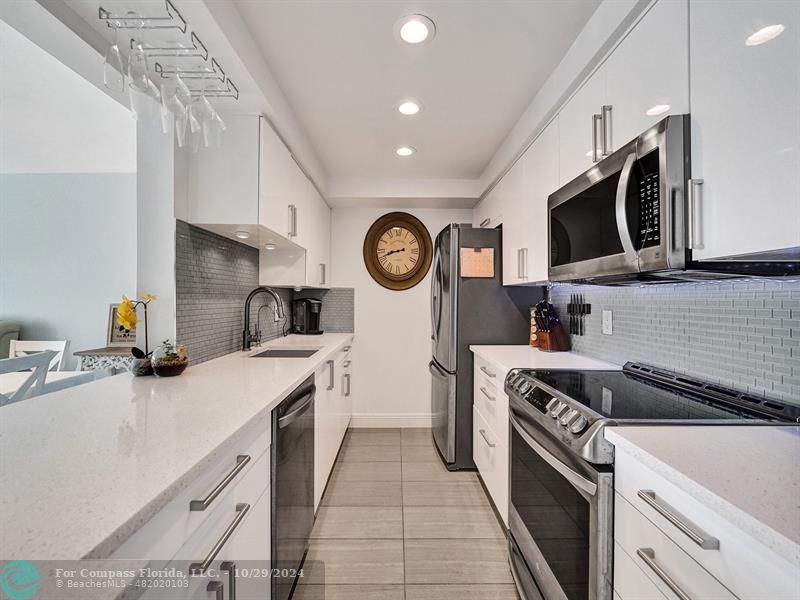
(608, 323)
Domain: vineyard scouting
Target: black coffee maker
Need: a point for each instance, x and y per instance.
(306, 313)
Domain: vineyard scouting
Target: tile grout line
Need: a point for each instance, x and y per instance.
(403, 516)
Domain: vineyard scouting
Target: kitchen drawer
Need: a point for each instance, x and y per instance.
(635, 534)
(162, 536)
(492, 404)
(491, 458)
(630, 582)
(491, 372)
(746, 567)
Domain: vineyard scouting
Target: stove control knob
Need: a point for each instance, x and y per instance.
(551, 404)
(578, 425)
(568, 418)
(554, 412)
(524, 387)
(562, 411)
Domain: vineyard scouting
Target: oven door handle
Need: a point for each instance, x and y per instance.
(573, 477)
(622, 215)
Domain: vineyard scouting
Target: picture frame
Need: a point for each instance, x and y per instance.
(116, 335)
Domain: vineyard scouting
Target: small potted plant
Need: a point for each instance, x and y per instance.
(170, 359)
(128, 319)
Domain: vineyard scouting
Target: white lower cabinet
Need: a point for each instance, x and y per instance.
(332, 412)
(490, 433)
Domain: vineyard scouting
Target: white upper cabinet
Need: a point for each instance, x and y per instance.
(745, 126)
(488, 213)
(580, 128)
(527, 185)
(647, 76)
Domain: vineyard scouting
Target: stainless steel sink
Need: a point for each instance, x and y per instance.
(287, 353)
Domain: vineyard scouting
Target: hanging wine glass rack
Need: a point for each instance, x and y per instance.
(186, 57)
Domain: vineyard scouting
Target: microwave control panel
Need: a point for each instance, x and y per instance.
(649, 232)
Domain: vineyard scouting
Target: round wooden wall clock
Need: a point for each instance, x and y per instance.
(398, 251)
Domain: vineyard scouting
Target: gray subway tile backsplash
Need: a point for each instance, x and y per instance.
(741, 334)
(214, 275)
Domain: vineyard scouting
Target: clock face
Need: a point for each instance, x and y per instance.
(397, 251)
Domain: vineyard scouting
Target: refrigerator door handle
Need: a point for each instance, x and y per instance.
(436, 296)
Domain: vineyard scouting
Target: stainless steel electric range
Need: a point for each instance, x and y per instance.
(562, 468)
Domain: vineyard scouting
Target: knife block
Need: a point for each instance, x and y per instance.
(555, 340)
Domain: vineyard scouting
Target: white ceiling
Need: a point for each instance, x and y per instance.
(344, 71)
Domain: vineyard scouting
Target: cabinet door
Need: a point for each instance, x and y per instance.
(487, 213)
(647, 76)
(277, 182)
(540, 169)
(509, 194)
(745, 126)
(323, 429)
(249, 550)
(318, 242)
(575, 125)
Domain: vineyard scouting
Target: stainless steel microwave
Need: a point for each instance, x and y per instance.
(625, 215)
(626, 220)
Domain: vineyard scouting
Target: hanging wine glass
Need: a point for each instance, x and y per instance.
(113, 69)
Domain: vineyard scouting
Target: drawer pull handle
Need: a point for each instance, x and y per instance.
(486, 439)
(346, 349)
(217, 588)
(488, 372)
(241, 462)
(201, 567)
(230, 567)
(692, 531)
(331, 375)
(487, 394)
(649, 557)
(346, 364)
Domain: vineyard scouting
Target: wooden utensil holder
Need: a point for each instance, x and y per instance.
(555, 340)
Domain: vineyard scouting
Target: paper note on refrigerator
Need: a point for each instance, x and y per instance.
(477, 262)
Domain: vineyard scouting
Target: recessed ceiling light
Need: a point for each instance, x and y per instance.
(658, 109)
(408, 108)
(415, 29)
(405, 151)
(269, 246)
(241, 234)
(764, 35)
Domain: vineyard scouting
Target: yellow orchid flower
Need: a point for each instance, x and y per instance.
(126, 314)
(147, 297)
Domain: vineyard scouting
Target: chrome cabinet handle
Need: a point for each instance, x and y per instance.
(217, 588)
(199, 568)
(488, 372)
(346, 349)
(692, 531)
(200, 505)
(596, 120)
(487, 394)
(485, 222)
(486, 439)
(330, 381)
(346, 364)
(524, 271)
(648, 555)
(230, 567)
(292, 220)
(347, 379)
(605, 112)
(693, 199)
(323, 273)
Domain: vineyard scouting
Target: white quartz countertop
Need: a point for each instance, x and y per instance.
(83, 468)
(749, 475)
(527, 357)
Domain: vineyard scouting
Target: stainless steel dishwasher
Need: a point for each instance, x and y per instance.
(292, 486)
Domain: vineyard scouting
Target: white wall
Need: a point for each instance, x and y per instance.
(67, 198)
(391, 384)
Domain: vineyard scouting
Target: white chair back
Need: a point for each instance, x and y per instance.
(27, 347)
(37, 364)
(68, 382)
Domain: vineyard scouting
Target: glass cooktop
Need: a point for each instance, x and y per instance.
(641, 392)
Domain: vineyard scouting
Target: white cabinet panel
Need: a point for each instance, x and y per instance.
(575, 127)
(324, 428)
(649, 69)
(510, 195)
(630, 582)
(745, 126)
(491, 458)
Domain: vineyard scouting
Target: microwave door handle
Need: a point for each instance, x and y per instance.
(576, 479)
(622, 216)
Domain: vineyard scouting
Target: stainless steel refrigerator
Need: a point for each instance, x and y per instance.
(466, 311)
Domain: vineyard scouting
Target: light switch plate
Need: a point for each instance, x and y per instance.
(608, 323)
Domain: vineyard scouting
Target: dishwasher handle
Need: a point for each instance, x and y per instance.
(302, 407)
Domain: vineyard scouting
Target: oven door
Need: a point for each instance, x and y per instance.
(625, 215)
(560, 516)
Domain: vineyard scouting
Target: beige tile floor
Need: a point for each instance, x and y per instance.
(394, 524)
